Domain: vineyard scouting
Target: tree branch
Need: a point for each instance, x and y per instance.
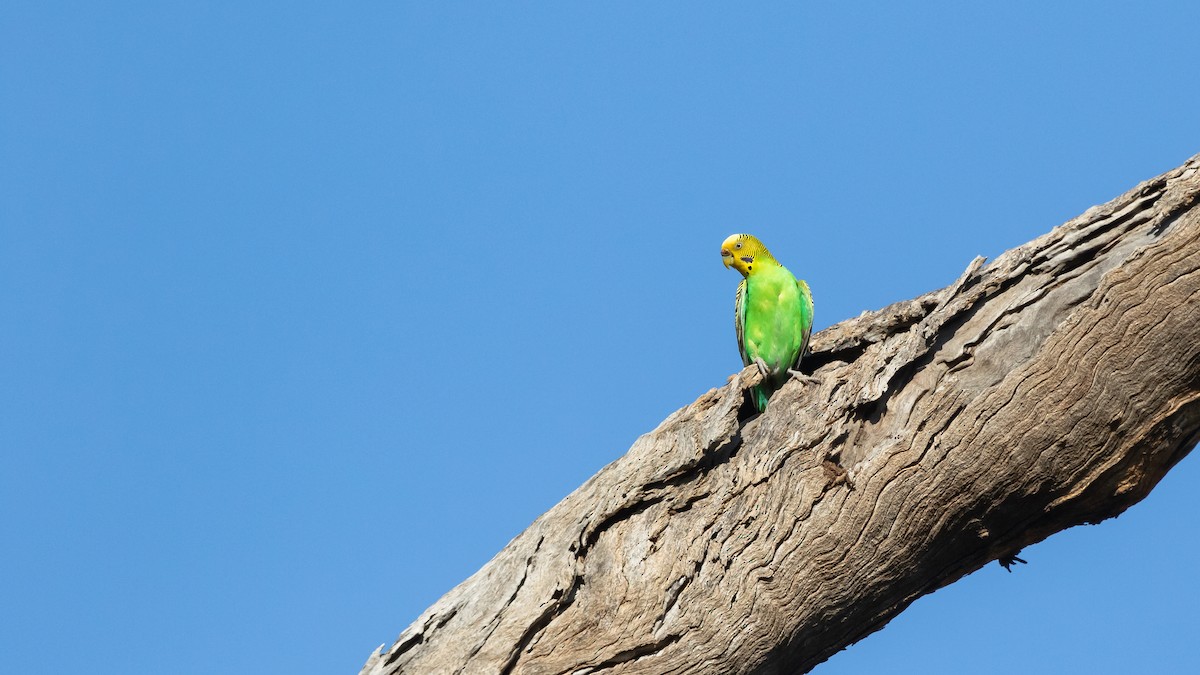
(1053, 387)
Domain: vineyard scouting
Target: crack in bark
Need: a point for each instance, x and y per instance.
(559, 602)
(673, 595)
(629, 655)
(495, 622)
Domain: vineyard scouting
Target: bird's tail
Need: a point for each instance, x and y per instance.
(760, 393)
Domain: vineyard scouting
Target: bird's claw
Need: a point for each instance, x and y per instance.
(807, 379)
(762, 366)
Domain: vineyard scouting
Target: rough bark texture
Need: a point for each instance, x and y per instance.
(1051, 388)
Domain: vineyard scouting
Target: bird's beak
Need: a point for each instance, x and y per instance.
(726, 257)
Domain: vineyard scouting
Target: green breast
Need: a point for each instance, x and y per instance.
(776, 318)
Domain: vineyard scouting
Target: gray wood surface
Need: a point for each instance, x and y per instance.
(1052, 387)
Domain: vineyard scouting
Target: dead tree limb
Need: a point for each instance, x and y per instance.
(1055, 386)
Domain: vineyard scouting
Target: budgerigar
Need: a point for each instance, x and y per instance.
(773, 313)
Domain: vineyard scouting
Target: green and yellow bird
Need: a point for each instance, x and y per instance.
(773, 313)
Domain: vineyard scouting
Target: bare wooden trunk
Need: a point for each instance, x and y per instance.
(1053, 387)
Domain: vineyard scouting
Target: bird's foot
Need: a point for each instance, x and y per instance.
(762, 366)
(807, 379)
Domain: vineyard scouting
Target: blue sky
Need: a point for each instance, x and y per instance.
(309, 308)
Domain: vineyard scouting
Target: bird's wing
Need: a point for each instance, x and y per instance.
(739, 321)
(806, 317)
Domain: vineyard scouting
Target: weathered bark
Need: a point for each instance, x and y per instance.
(1053, 387)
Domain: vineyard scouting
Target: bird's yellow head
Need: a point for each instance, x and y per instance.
(744, 252)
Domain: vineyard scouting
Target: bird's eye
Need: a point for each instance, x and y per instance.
(738, 245)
